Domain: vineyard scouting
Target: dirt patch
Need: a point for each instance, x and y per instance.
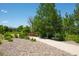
(22, 47)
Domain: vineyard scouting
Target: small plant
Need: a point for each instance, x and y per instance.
(16, 35)
(21, 35)
(76, 38)
(8, 36)
(59, 37)
(1, 38)
(72, 37)
(0, 41)
(27, 38)
(34, 40)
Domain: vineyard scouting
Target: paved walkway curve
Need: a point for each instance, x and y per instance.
(72, 49)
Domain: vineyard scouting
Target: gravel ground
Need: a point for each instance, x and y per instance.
(22, 47)
(71, 42)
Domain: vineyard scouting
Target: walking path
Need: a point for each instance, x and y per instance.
(70, 48)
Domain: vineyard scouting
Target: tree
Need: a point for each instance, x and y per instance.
(47, 21)
(68, 24)
(20, 28)
(1, 29)
(76, 18)
(26, 29)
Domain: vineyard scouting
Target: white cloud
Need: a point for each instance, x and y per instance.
(4, 22)
(3, 11)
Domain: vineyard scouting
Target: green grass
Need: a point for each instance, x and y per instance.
(72, 37)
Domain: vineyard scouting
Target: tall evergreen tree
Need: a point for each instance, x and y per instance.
(47, 21)
(76, 18)
(68, 24)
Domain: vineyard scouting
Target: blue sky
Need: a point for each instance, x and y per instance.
(14, 15)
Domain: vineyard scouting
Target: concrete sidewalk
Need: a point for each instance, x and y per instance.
(72, 49)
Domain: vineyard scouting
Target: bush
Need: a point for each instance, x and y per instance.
(0, 41)
(59, 37)
(1, 38)
(8, 36)
(32, 39)
(16, 35)
(72, 37)
(42, 35)
(12, 34)
(22, 35)
(27, 38)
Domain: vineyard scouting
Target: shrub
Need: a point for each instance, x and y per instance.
(16, 35)
(13, 36)
(1, 38)
(32, 39)
(42, 35)
(59, 37)
(0, 41)
(72, 37)
(22, 35)
(27, 38)
(8, 36)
